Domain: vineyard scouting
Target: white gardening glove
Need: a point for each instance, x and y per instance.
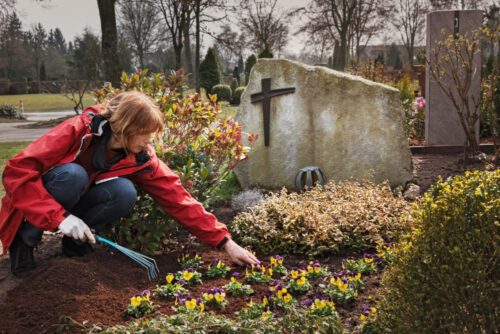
(75, 228)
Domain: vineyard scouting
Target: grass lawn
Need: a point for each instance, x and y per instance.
(43, 102)
(7, 151)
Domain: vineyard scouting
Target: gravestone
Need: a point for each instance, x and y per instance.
(442, 123)
(347, 126)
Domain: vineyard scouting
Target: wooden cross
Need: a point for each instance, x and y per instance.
(265, 97)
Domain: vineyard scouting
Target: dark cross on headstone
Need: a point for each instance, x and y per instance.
(265, 97)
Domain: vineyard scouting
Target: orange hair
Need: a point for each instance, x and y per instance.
(131, 113)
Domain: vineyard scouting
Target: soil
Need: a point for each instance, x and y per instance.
(70, 294)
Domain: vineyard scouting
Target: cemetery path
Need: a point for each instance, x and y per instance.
(9, 132)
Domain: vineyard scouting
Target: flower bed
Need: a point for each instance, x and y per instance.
(95, 292)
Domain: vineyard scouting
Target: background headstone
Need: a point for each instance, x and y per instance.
(345, 125)
(442, 124)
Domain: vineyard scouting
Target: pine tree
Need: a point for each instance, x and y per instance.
(209, 71)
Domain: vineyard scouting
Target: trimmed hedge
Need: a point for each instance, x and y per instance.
(445, 277)
(223, 92)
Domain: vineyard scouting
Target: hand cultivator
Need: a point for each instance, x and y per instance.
(143, 260)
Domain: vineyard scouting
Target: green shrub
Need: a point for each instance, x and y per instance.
(249, 63)
(324, 220)
(210, 74)
(223, 92)
(234, 85)
(237, 95)
(9, 111)
(266, 53)
(445, 277)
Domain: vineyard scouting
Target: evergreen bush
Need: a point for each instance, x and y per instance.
(250, 62)
(444, 278)
(223, 92)
(210, 74)
(237, 95)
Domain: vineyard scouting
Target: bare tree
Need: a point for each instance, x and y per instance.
(369, 18)
(409, 21)
(336, 17)
(265, 23)
(6, 7)
(109, 40)
(139, 21)
(37, 40)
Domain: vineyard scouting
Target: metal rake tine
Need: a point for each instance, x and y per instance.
(154, 265)
(141, 259)
(150, 259)
(145, 261)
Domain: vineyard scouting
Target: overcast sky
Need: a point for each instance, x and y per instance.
(72, 16)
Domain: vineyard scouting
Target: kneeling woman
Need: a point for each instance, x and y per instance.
(82, 174)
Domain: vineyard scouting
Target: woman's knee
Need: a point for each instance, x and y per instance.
(123, 193)
(66, 182)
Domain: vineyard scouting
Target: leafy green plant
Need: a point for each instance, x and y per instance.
(324, 220)
(340, 291)
(237, 289)
(364, 266)
(277, 266)
(258, 274)
(455, 230)
(237, 95)
(190, 260)
(223, 92)
(217, 269)
(299, 285)
(9, 111)
(315, 270)
(169, 290)
(140, 305)
(188, 277)
(215, 297)
(368, 321)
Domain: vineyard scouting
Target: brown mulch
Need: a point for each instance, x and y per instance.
(98, 286)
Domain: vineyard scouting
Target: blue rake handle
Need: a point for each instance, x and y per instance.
(143, 260)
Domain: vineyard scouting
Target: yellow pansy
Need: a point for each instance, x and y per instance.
(219, 297)
(233, 280)
(187, 275)
(294, 274)
(219, 264)
(301, 280)
(317, 270)
(265, 301)
(362, 317)
(190, 304)
(270, 271)
(169, 278)
(208, 296)
(273, 261)
(135, 301)
(266, 314)
(202, 307)
(287, 298)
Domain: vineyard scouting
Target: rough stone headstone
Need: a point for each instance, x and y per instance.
(347, 126)
(442, 123)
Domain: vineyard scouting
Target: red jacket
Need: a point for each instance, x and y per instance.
(26, 197)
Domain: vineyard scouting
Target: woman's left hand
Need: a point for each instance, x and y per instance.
(238, 254)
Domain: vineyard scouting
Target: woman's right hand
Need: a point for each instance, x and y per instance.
(75, 228)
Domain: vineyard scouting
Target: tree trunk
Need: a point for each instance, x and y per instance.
(197, 56)
(109, 41)
(187, 47)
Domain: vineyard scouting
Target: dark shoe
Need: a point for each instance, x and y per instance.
(22, 261)
(75, 248)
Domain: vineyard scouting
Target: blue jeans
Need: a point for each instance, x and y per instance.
(98, 206)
